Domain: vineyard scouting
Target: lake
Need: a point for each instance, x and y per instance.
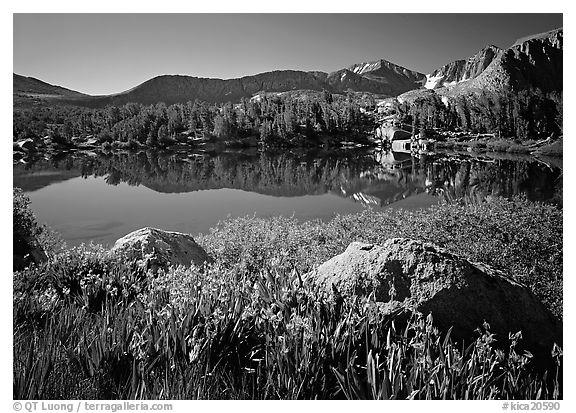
(100, 197)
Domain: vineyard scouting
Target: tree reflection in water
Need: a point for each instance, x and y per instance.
(376, 178)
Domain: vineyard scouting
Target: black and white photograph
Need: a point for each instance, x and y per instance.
(287, 206)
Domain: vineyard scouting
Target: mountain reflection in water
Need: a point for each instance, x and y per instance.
(339, 182)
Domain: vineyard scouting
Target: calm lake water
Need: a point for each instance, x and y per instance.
(88, 196)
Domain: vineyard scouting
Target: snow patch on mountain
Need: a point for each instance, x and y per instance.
(366, 67)
(432, 81)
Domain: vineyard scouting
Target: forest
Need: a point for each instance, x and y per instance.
(290, 119)
(272, 119)
(524, 115)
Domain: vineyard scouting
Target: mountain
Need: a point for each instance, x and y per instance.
(380, 77)
(343, 80)
(531, 62)
(384, 72)
(29, 91)
(383, 78)
(33, 86)
(462, 70)
(179, 89)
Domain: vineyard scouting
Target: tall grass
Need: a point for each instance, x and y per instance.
(197, 335)
(250, 326)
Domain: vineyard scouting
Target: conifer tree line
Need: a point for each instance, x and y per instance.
(272, 119)
(524, 115)
(277, 120)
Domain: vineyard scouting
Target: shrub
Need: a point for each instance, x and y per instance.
(24, 220)
(522, 238)
(25, 229)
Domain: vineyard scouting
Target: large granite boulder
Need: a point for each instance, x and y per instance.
(461, 294)
(154, 249)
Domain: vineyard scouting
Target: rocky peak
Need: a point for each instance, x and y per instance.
(553, 37)
(384, 67)
(462, 70)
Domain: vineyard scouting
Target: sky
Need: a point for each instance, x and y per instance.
(109, 53)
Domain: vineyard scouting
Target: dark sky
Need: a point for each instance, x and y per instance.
(109, 53)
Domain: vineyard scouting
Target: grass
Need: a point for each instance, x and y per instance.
(503, 145)
(553, 149)
(499, 145)
(448, 144)
(476, 145)
(89, 325)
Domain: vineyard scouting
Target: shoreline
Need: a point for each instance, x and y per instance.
(552, 149)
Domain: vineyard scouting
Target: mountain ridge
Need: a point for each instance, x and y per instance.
(532, 61)
(386, 79)
(28, 84)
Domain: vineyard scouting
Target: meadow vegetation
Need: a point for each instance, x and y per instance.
(88, 324)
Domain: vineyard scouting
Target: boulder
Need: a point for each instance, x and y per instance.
(154, 248)
(26, 145)
(92, 142)
(459, 293)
